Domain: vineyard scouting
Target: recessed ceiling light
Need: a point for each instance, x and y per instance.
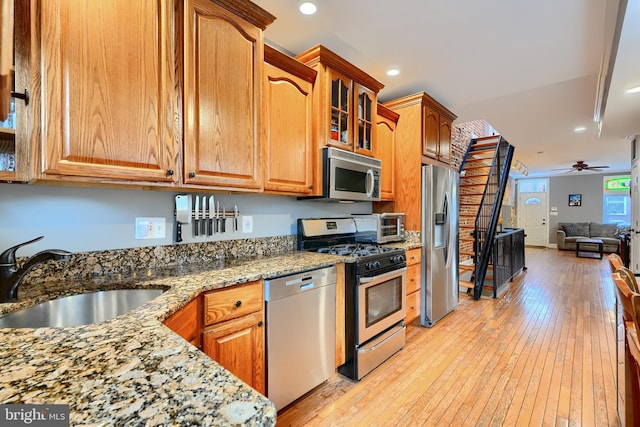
(393, 72)
(308, 8)
(580, 129)
(635, 89)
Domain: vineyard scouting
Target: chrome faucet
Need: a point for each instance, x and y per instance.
(11, 275)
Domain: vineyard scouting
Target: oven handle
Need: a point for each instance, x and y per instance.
(383, 277)
(367, 350)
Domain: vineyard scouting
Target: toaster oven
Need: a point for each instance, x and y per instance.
(379, 227)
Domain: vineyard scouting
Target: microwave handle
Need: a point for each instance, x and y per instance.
(370, 183)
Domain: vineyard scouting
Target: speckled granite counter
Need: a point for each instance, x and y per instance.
(132, 370)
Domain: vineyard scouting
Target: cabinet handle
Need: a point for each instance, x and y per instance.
(192, 174)
(238, 303)
(170, 172)
(24, 95)
(260, 324)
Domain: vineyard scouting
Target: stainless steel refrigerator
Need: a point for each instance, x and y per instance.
(439, 243)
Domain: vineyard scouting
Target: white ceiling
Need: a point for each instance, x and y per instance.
(530, 68)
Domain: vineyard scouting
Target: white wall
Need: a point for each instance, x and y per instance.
(89, 219)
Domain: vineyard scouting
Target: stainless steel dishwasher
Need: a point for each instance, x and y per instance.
(301, 333)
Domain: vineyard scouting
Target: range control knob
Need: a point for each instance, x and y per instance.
(397, 259)
(376, 264)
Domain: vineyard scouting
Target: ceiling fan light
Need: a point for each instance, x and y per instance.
(635, 89)
(308, 8)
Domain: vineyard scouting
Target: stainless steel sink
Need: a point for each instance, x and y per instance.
(82, 309)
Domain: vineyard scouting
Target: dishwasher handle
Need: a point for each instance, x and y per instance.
(281, 287)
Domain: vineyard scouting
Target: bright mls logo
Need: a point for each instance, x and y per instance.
(34, 415)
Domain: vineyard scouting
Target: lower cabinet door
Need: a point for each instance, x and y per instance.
(413, 307)
(238, 345)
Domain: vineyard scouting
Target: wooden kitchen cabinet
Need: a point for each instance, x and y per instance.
(15, 131)
(223, 72)
(234, 334)
(187, 322)
(288, 136)
(106, 105)
(422, 120)
(386, 150)
(345, 102)
(414, 284)
(344, 106)
(437, 130)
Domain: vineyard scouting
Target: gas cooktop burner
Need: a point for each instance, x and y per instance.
(357, 250)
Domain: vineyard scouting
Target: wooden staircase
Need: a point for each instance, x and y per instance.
(483, 178)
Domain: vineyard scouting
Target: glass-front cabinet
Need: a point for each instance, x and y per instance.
(340, 111)
(345, 100)
(364, 121)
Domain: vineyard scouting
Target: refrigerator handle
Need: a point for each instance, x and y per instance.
(447, 198)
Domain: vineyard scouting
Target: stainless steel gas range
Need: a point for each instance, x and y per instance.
(375, 289)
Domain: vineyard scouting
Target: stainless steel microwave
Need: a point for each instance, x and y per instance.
(348, 176)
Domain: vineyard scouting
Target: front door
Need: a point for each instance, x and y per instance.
(533, 210)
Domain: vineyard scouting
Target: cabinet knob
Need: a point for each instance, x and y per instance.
(170, 172)
(260, 324)
(238, 303)
(311, 187)
(192, 174)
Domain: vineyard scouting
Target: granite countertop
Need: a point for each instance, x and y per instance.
(132, 370)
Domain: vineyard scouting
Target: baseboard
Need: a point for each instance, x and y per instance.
(552, 245)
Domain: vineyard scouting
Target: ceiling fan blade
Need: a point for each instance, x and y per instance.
(597, 167)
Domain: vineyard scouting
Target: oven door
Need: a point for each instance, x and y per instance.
(381, 303)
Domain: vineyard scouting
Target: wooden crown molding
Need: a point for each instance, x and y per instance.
(388, 113)
(290, 64)
(249, 11)
(420, 98)
(321, 55)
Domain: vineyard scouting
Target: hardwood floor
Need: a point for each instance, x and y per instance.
(542, 354)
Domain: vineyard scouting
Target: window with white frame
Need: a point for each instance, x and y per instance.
(616, 204)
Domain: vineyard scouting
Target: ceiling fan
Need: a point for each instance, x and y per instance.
(580, 165)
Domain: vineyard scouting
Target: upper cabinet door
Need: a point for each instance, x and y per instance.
(340, 131)
(431, 139)
(288, 141)
(223, 71)
(445, 139)
(365, 128)
(108, 93)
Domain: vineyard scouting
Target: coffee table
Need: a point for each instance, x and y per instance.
(589, 248)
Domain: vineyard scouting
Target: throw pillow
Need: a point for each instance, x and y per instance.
(603, 230)
(570, 230)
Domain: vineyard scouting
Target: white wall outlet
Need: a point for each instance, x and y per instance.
(150, 228)
(247, 224)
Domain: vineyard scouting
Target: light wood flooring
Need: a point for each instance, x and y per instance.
(542, 354)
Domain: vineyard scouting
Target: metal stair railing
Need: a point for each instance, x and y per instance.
(489, 212)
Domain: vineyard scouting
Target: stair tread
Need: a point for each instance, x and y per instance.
(470, 185)
(493, 144)
(466, 284)
(466, 267)
(485, 138)
(476, 167)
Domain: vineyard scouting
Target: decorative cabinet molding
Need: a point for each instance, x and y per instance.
(386, 150)
(288, 136)
(107, 94)
(223, 119)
